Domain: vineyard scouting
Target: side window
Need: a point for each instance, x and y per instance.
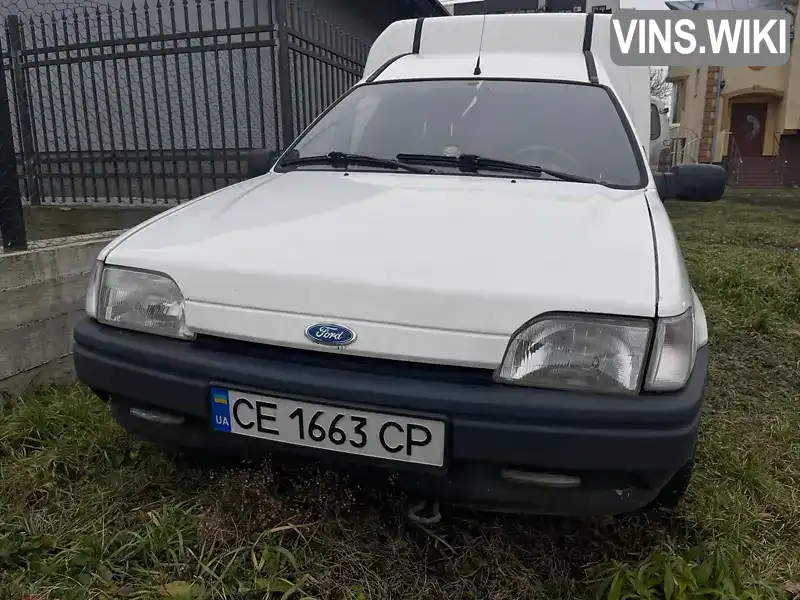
(655, 122)
(677, 104)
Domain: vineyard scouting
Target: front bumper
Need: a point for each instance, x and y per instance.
(623, 449)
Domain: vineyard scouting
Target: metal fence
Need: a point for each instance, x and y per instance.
(157, 103)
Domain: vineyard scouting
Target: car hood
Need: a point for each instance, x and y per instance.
(460, 253)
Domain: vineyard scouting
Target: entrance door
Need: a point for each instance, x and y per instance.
(748, 122)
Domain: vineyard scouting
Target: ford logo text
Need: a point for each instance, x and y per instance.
(330, 334)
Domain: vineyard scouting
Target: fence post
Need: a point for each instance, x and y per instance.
(285, 82)
(12, 219)
(23, 110)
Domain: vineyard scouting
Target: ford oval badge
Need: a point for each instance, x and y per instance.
(331, 334)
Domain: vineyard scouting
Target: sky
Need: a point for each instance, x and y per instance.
(643, 4)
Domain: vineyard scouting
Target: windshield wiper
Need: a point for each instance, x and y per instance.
(472, 163)
(342, 159)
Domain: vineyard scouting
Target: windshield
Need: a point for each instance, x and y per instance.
(571, 128)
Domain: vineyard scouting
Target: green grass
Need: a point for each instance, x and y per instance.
(86, 512)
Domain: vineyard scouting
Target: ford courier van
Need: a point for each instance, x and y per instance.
(659, 135)
(460, 277)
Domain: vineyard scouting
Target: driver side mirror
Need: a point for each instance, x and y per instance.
(692, 182)
(260, 161)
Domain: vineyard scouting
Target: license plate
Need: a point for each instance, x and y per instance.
(365, 433)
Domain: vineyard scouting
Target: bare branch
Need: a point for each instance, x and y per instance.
(659, 86)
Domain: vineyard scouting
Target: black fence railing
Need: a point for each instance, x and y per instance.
(157, 103)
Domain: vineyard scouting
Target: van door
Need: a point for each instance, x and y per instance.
(659, 134)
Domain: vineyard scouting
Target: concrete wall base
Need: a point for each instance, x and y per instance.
(42, 294)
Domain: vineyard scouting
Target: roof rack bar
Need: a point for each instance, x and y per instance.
(417, 36)
(591, 68)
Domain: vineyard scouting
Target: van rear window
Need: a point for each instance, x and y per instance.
(655, 122)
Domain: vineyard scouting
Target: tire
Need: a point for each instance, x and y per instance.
(671, 495)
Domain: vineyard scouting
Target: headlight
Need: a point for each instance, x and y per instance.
(93, 289)
(673, 353)
(139, 300)
(592, 353)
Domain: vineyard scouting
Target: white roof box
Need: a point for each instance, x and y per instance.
(567, 46)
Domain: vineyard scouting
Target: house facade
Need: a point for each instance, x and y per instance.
(745, 118)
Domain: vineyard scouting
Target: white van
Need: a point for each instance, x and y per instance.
(659, 135)
(460, 277)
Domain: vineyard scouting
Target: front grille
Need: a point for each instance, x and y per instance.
(360, 364)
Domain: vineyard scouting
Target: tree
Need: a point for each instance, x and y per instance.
(659, 86)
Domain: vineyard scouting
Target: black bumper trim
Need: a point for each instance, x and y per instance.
(473, 484)
(494, 423)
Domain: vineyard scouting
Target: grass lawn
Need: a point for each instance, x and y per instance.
(86, 512)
